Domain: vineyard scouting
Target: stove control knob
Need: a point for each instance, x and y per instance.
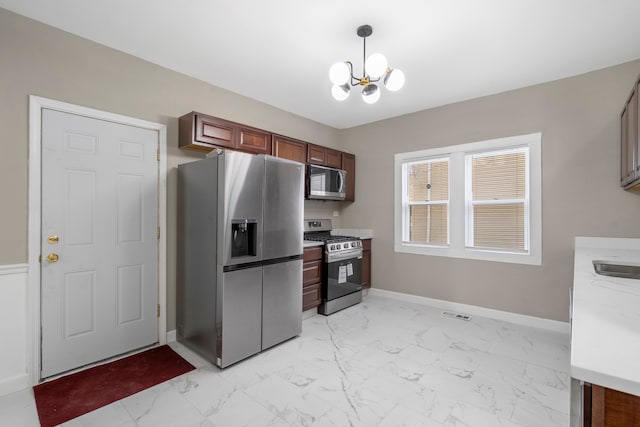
(349, 245)
(332, 247)
(338, 246)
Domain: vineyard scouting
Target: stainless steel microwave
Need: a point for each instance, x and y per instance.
(323, 183)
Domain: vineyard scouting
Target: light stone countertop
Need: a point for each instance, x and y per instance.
(310, 244)
(605, 331)
(362, 233)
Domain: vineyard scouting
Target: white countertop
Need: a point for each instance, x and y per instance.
(605, 332)
(362, 233)
(310, 244)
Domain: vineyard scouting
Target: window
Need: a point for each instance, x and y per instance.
(480, 201)
(428, 202)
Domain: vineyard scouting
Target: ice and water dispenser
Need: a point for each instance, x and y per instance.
(244, 237)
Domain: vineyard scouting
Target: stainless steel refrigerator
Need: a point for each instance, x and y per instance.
(239, 278)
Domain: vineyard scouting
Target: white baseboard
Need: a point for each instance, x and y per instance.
(13, 384)
(518, 319)
(171, 336)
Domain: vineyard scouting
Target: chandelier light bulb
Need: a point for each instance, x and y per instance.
(394, 80)
(370, 94)
(376, 65)
(340, 92)
(339, 73)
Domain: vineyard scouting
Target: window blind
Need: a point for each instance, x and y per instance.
(428, 200)
(499, 205)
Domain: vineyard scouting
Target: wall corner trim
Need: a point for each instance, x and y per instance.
(506, 316)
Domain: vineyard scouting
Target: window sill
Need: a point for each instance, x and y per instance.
(469, 253)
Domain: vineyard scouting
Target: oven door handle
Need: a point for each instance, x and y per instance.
(344, 255)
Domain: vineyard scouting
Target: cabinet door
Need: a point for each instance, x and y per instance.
(291, 149)
(612, 408)
(210, 130)
(316, 154)
(366, 263)
(253, 140)
(311, 296)
(311, 272)
(632, 136)
(349, 165)
(334, 158)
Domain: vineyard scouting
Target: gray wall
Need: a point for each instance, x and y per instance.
(39, 60)
(577, 116)
(579, 121)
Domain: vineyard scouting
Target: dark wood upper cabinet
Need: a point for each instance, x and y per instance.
(201, 132)
(349, 165)
(334, 158)
(254, 140)
(289, 148)
(630, 141)
(316, 154)
(324, 156)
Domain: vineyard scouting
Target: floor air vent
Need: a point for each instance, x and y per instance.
(456, 315)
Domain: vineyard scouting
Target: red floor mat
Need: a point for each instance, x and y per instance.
(73, 395)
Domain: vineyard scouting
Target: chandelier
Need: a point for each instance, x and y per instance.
(374, 69)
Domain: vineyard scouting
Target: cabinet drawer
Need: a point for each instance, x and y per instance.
(312, 253)
(311, 272)
(311, 296)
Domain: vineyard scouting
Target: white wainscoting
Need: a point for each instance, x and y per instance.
(13, 328)
(519, 319)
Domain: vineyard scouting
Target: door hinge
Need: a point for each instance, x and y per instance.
(40, 258)
(158, 154)
(158, 233)
(158, 310)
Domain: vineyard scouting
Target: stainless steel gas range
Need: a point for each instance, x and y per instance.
(341, 266)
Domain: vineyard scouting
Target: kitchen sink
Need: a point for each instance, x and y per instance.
(615, 269)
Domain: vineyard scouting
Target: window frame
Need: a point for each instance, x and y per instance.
(406, 207)
(458, 217)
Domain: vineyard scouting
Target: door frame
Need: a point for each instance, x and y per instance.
(36, 105)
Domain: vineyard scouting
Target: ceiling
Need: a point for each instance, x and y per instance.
(279, 51)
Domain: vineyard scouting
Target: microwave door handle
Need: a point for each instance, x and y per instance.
(341, 184)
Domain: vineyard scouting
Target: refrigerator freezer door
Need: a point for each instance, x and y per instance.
(283, 208)
(196, 261)
(241, 179)
(239, 315)
(282, 302)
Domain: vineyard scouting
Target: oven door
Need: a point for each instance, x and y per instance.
(343, 276)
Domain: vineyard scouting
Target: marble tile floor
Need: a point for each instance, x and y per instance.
(380, 363)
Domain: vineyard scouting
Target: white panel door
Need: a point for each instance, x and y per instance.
(100, 219)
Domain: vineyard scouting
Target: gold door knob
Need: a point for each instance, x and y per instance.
(52, 240)
(51, 258)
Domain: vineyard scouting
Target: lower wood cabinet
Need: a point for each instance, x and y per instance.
(312, 277)
(606, 407)
(366, 263)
